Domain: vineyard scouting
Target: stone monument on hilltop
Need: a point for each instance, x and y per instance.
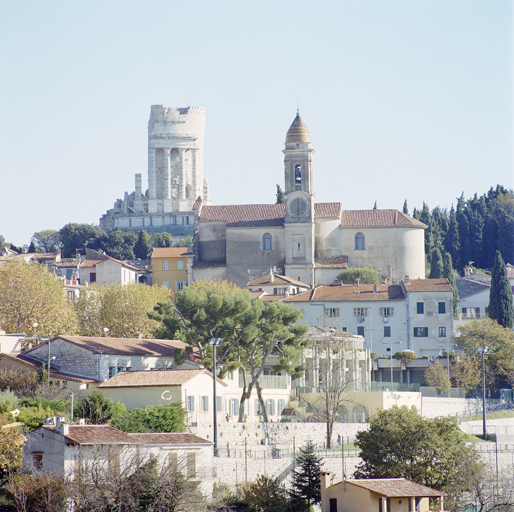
(175, 176)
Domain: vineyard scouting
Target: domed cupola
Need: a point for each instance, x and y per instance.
(298, 131)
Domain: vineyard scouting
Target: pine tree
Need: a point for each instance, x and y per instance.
(500, 295)
(436, 264)
(307, 478)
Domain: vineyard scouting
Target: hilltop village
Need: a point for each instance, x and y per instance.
(213, 348)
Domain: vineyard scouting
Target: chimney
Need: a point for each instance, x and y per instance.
(61, 426)
(407, 280)
(271, 275)
(375, 289)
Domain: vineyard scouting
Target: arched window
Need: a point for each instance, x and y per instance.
(359, 242)
(267, 242)
(298, 174)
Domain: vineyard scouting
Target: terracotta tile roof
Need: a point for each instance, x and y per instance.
(117, 346)
(336, 262)
(94, 434)
(396, 487)
(90, 263)
(168, 438)
(169, 252)
(323, 210)
(428, 285)
(145, 378)
(349, 292)
(245, 215)
(277, 279)
(378, 218)
(271, 298)
(258, 294)
(260, 215)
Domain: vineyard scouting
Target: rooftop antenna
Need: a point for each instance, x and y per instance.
(298, 107)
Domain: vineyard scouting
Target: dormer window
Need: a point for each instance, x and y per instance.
(298, 174)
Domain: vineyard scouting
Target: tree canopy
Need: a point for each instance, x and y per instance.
(364, 275)
(46, 240)
(499, 360)
(401, 444)
(30, 294)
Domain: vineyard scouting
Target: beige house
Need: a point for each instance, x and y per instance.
(66, 450)
(306, 241)
(192, 388)
(101, 358)
(102, 269)
(277, 286)
(377, 495)
(170, 266)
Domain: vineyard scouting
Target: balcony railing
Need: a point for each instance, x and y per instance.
(270, 381)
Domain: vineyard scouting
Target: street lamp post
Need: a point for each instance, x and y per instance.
(391, 343)
(484, 351)
(215, 342)
(35, 324)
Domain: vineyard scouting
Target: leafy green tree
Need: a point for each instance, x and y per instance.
(436, 264)
(405, 356)
(499, 360)
(264, 495)
(74, 237)
(28, 294)
(307, 477)
(123, 309)
(97, 409)
(280, 195)
(500, 294)
(155, 418)
(365, 275)
(161, 240)
(120, 244)
(437, 377)
(467, 372)
(502, 211)
(46, 240)
(11, 446)
(401, 444)
(142, 245)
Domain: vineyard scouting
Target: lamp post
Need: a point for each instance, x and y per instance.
(391, 343)
(215, 342)
(484, 351)
(35, 324)
(106, 330)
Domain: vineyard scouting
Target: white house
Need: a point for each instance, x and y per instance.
(65, 450)
(412, 315)
(102, 269)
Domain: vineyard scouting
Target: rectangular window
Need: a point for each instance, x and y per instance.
(387, 331)
(218, 404)
(421, 332)
(112, 371)
(360, 331)
(180, 265)
(386, 311)
(165, 265)
(360, 311)
(270, 406)
(234, 406)
(190, 403)
(332, 312)
(442, 332)
(166, 284)
(420, 308)
(205, 403)
(281, 405)
(279, 291)
(180, 285)
(257, 406)
(441, 308)
(37, 460)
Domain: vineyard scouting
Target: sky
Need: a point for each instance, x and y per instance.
(404, 100)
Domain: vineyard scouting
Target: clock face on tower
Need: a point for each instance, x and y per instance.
(298, 207)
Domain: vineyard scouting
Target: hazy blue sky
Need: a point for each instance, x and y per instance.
(403, 99)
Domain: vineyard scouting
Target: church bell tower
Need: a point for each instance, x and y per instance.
(299, 203)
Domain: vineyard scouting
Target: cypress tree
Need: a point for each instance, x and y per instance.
(436, 264)
(452, 240)
(448, 273)
(142, 245)
(280, 195)
(500, 295)
(405, 207)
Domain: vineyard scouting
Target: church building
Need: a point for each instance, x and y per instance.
(304, 240)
